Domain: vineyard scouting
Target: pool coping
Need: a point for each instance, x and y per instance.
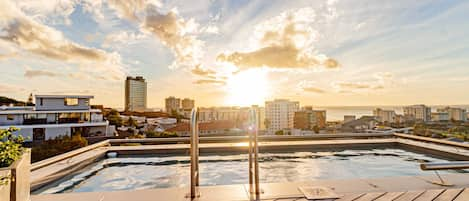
(282, 191)
(45, 172)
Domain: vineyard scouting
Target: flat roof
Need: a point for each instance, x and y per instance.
(45, 111)
(64, 96)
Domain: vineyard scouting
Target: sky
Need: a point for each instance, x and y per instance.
(238, 52)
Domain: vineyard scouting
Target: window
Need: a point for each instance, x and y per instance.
(71, 101)
(39, 134)
(41, 100)
(10, 117)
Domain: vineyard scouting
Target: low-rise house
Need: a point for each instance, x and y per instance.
(360, 125)
(55, 115)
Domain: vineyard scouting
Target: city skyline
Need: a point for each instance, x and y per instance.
(238, 53)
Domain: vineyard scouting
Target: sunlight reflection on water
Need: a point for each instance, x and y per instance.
(128, 173)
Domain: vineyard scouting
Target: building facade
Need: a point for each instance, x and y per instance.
(454, 114)
(172, 104)
(187, 104)
(280, 114)
(349, 118)
(418, 113)
(381, 115)
(135, 94)
(55, 115)
(240, 114)
(440, 116)
(307, 119)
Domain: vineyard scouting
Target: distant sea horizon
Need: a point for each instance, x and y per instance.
(336, 113)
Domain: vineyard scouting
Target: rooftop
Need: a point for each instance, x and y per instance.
(388, 188)
(64, 96)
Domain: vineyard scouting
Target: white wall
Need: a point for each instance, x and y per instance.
(51, 133)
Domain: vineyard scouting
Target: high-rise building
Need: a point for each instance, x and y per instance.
(307, 118)
(135, 94)
(280, 114)
(172, 104)
(187, 104)
(384, 115)
(455, 114)
(418, 112)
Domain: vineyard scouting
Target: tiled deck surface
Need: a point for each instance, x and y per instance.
(382, 189)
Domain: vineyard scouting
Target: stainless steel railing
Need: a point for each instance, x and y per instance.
(194, 151)
(254, 188)
(455, 165)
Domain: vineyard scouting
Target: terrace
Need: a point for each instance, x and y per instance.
(413, 184)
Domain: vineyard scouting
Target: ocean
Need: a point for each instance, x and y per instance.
(336, 113)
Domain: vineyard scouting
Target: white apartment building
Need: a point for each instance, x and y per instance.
(135, 94)
(280, 113)
(456, 114)
(55, 115)
(172, 104)
(440, 116)
(384, 115)
(418, 112)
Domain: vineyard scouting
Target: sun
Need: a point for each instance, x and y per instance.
(246, 88)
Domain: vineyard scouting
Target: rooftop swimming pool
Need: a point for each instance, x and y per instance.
(165, 171)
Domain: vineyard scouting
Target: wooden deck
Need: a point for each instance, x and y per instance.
(456, 194)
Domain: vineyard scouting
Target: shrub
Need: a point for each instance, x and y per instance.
(56, 146)
(153, 134)
(10, 147)
(279, 132)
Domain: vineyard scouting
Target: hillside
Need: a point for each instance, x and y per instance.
(7, 101)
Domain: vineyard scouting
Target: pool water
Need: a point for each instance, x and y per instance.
(137, 172)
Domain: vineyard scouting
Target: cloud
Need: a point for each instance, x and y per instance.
(310, 86)
(345, 87)
(285, 41)
(116, 39)
(210, 81)
(29, 73)
(197, 70)
(176, 33)
(129, 9)
(48, 11)
(8, 55)
(39, 39)
(314, 90)
(8, 88)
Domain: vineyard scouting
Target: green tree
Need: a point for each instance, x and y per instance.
(56, 146)
(114, 118)
(132, 122)
(267, 123)
(10, 147)
(316, 129)
(279, 132)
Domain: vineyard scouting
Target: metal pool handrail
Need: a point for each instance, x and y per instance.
(194, 150)
(456, 165)
(254, 188)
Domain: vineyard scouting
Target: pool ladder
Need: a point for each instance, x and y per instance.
(194, 150)
(254, 187)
